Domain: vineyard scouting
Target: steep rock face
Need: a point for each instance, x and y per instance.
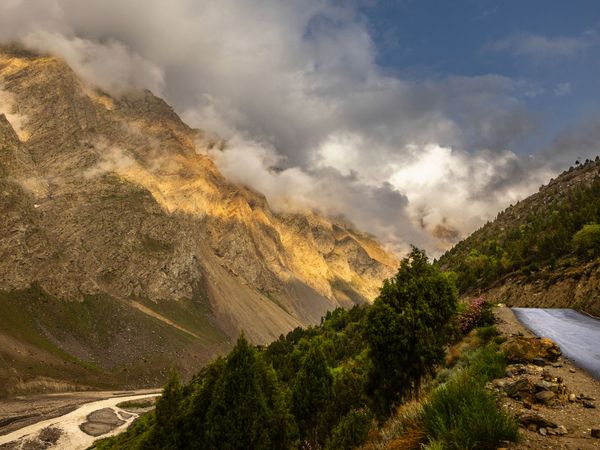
(116, 197)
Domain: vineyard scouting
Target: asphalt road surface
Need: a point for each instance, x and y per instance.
(577, 334)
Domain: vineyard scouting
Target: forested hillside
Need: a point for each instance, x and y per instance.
(329, 386)
(547, 242)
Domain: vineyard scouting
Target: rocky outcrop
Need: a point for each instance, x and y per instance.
(575, 287)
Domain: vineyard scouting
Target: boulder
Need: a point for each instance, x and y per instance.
(545, 396)
(518, 387)
(521, 349)
(528, 418)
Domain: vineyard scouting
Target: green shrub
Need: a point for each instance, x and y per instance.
(462, 414)
(586, 242)
(486, 364)
(351, 431)
(487, 333)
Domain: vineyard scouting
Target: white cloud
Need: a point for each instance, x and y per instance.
(542, 47)
(562, 89)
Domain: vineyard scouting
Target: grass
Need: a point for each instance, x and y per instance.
(458, 413)
(137, 404)
(462, 414)
(133, 438)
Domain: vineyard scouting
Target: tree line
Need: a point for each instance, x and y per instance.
(319, 387)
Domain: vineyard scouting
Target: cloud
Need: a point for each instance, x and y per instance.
(562, 89)
(310, 119)
(542, 47)
(575, 143)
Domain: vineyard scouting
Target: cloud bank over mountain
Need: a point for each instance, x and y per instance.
(310, 118)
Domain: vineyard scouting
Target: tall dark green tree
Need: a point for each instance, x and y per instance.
(165, 434)
(247, 409)
(312, 395)
(407, 329)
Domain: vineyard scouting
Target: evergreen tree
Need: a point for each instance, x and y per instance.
(407, 329)
(165, 434)
(312, 394)
(247, 409)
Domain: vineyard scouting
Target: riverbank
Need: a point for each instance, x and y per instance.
(63, 415)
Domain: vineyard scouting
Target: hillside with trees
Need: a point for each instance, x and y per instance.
(547, 244)
(329, 386)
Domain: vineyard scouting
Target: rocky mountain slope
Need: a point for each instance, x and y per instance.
(541, 251)
(124, 251)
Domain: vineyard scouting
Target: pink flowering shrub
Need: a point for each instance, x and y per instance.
(478, 313)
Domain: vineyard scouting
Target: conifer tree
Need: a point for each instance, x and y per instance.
(407, 329)
(311, 395)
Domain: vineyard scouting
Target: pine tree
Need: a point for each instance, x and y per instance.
(312, 394)
(407, 329)
(247, 409)
(165, 435)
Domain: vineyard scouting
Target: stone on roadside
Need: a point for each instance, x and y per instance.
(529, 418)
(545, 396)
(516, 387)
(543, 431)
(588, 404)
(561, 430)
(572, 398)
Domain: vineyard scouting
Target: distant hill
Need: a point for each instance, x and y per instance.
(543, 251)
(125, 252)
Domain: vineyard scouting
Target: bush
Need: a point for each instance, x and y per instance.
(586, 242)
(486, 364)
(478, 313)
(462, 414)
(351, 431)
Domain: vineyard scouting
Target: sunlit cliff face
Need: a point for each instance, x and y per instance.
(138, 138)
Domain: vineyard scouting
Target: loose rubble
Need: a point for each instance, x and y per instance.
(530, 383)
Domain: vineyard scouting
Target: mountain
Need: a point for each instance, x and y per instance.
(544, 251)
(125, 252)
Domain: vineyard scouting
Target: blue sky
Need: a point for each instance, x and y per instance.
(437, 39)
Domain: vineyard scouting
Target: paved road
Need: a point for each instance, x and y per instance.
(577, 334)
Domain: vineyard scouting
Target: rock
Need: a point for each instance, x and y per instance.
(538, 361)
(532, 418)
(595, 433)
(545, 396)
(521, 349)
(572, 398)
(521, 385)
(543, 431)
(532, 427)
(588, 404)
(543, 386)
(561, 430)
(572, 370)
